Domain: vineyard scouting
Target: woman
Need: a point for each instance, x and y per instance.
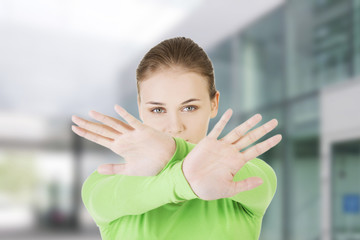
(170, 188)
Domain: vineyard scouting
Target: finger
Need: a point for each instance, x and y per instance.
(246, 185)
(96, 138)
(240, 131)
(260, 148)
(130, 119)
(110, 169)
(98, 128)
(110, 121)
(220, 125)
(256, 134)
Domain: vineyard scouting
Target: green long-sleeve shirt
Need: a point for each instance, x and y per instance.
(165, 207)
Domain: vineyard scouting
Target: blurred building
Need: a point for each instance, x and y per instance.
(296, 61)
(300, 65)
(291, 64)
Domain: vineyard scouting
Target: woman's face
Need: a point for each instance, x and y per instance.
(177, 102)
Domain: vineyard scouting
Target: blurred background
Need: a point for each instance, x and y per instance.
(294, 60)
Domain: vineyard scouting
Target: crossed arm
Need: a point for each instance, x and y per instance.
(108, 197)
(207, 172)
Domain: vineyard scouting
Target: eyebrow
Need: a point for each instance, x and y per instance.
(162, 104)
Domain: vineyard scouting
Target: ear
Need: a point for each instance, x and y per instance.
(215, 105)
(138, 103)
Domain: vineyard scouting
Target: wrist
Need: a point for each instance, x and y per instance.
(170, 153)
(170, 150)
(187, 180)
(172, 147)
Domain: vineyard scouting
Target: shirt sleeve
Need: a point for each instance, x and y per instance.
(109, 197)
(256, 200)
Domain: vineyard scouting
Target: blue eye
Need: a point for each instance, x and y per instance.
(157, 110)
(189, 108)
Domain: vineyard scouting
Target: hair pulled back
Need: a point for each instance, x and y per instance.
(173, 53)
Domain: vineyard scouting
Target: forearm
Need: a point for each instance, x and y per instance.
(258, 199)
(108, 197)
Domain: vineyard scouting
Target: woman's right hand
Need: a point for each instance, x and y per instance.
(145, 150)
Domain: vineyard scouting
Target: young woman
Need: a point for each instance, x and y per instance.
(178, 182)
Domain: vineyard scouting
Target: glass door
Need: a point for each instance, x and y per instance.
(346, 190)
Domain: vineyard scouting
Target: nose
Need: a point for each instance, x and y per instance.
(175, 124)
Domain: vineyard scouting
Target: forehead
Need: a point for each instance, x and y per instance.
(173, 86)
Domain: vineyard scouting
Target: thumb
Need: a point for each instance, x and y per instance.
(110, 169)
(247, 184)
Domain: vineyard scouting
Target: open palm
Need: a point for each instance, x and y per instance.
(211, 166)
(145, 150)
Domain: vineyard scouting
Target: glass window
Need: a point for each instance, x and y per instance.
(356, 41)
(262, 63)
(346, 194)
(304, 193)
(319, 44)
